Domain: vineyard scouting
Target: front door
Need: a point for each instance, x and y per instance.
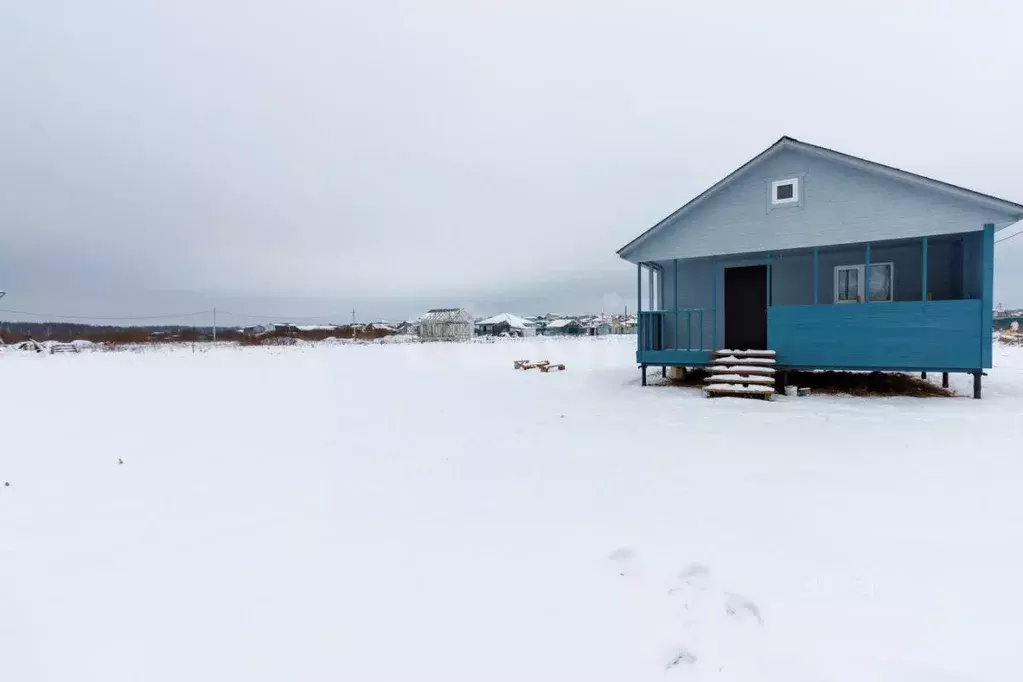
(746, 308)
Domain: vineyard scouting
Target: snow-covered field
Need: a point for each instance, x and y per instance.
(425, 512)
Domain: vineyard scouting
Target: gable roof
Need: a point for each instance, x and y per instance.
(436, 315)
(786, 142)
(512, 320)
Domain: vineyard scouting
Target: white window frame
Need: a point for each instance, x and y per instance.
(861, 282)
(794, 199)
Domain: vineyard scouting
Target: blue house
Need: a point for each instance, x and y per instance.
(829, 260)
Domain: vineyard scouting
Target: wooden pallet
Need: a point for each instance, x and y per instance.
(742, 360)
(745, 353)
(745, 369)
(739, 391)
(744, 379)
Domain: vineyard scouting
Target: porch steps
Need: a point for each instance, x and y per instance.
(741, 373)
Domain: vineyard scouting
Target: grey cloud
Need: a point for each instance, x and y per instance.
(390, 155)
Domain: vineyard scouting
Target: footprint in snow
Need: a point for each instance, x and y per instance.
(681, 657)
(624, 557)
(739, 606)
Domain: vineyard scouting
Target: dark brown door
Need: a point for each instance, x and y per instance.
(746, 308)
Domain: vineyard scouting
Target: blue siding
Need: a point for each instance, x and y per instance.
(911, 335)
(680, 358)
(841, 204)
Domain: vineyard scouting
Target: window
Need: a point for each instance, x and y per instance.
(785, 191)
(849, 283)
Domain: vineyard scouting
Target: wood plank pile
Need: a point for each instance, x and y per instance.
(741, 373)
(543, 365)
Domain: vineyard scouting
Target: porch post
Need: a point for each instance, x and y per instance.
(816, 275)
(923, 277)
(650, 289)
(676, 305)
(866, 277)
(714, 302)
(987, 297)
(768, 280)
(639, 288)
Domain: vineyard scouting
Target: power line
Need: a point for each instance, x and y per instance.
(52, 316)
(1005, 239)
(285, 318)
(213, 311)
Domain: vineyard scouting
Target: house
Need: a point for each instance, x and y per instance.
(831, 261)
(564, 327)
(446, 324)
(257, 329)
(506, 324)
(623, 325)
(596, 326)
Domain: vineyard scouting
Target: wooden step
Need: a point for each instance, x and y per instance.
(739, 379)
(747, 353)
(742, 369)
(733, 360)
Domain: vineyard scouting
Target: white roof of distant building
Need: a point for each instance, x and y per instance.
(512, 320)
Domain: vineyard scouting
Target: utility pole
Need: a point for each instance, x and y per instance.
(214, 325)
(353, 317)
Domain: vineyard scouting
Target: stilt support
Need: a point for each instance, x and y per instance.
(664, 372)
(976, 384)
(781, 380)
(642, 368)
(944, 379)
(923, 375)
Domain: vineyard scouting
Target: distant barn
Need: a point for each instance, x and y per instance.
(506, 324)
(446, 324)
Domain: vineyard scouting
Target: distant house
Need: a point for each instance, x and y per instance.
(597, 327)
(446, 324)
(407, 327)
(507, 324)
(624, 325)
(565, 327)
(257, 329)
(828, 260)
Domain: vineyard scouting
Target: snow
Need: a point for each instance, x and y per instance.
(731, 359)
(513, 321)
(425, 512)
(558, 324)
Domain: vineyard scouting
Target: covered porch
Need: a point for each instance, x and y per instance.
(901, 305)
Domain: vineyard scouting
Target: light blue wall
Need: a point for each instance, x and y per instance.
(841, 204)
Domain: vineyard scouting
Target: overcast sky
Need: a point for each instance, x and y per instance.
(292, 158)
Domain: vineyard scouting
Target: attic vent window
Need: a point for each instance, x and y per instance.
(785, 191)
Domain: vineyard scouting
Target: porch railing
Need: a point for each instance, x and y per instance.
(681, 329)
